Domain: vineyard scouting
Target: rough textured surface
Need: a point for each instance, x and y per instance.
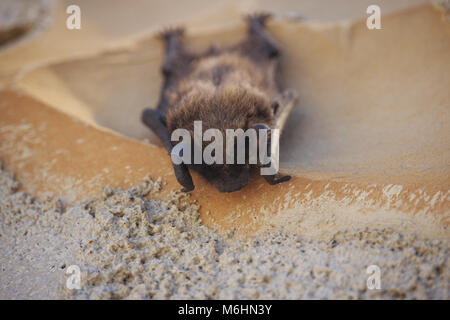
(19, 17)
(38, 239)
(132, 247)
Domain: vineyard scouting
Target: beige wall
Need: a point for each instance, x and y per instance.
(107, 22)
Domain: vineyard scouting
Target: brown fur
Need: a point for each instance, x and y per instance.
(226, 91)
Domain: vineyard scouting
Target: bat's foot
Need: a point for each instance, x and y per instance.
(175, 53)
(277, 178)
(169, 33)
(258, 35)
(258, 18)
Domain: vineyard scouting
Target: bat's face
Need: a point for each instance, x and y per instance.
(233, 109)
(225, 177)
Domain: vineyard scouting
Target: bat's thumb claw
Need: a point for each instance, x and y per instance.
(189, 189)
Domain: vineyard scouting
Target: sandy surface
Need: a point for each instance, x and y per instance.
(367, 145)
(132, 247)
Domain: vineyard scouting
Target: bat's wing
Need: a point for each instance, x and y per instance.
(286, 102)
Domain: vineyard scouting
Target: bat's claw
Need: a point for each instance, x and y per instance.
(168, 32)
(258, 17)
(275, 179)
(186, 190)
